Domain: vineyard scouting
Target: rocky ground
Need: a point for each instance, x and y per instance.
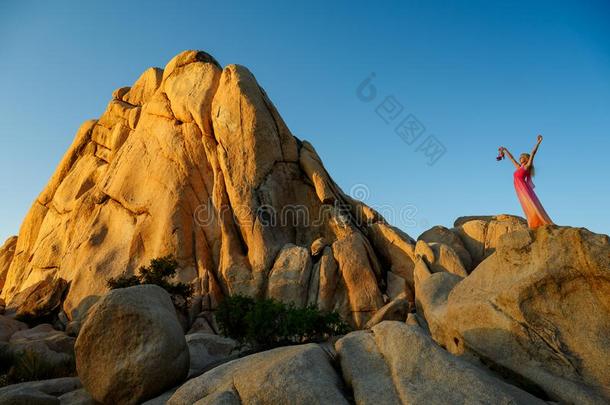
(195, 161)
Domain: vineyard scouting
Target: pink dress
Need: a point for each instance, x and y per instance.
(534, 211)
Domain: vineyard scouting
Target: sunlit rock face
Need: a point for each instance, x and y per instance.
(195, 161)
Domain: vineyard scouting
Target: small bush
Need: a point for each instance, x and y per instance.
(156, 273)
(267, 323)
(122, 282)
(231, 316)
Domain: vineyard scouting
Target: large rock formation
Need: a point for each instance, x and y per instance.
(537, 311)
(195, 161)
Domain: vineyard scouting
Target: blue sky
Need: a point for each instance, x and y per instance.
(475, 74)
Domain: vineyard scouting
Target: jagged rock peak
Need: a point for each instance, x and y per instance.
(195, 160)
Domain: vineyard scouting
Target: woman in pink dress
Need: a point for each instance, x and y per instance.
(534, 211)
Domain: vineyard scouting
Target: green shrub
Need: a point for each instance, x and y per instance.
(123, 281)
(156, 273)
(266, 323)
(231, 316)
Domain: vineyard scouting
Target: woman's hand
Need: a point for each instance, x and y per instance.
(539, 139)
(510, 156)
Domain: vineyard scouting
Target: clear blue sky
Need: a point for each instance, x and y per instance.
(476, 74)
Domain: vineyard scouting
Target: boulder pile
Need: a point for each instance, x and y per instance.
(194, 161)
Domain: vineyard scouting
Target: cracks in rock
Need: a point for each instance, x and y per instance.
(98, 123)
(129, 105)
(169, 105)
(194, 170)
(48, 206)
(510, 377)
(46, 268)
(393, 376)
(136, 212)
(241, 121)
(173, 119)
(213, 135)
(199, 170)
(341, 200)
(270, 172)
(229, 226)
(239, 235)
(195, 258)
(101, 149)
(236, 392)
(224, 149)
(533, 334)
(266, 101)
(335, 361)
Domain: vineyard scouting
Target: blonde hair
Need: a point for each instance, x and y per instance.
(532, 172)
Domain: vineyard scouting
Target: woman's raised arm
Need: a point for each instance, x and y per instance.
(510, 156)
(531, 159)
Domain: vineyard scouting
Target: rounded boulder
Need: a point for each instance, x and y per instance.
(131, 347)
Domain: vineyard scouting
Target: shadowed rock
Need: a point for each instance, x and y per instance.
(398, 363)
(536, 310)
(288, 375)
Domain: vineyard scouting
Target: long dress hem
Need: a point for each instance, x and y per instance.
(533, 209)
